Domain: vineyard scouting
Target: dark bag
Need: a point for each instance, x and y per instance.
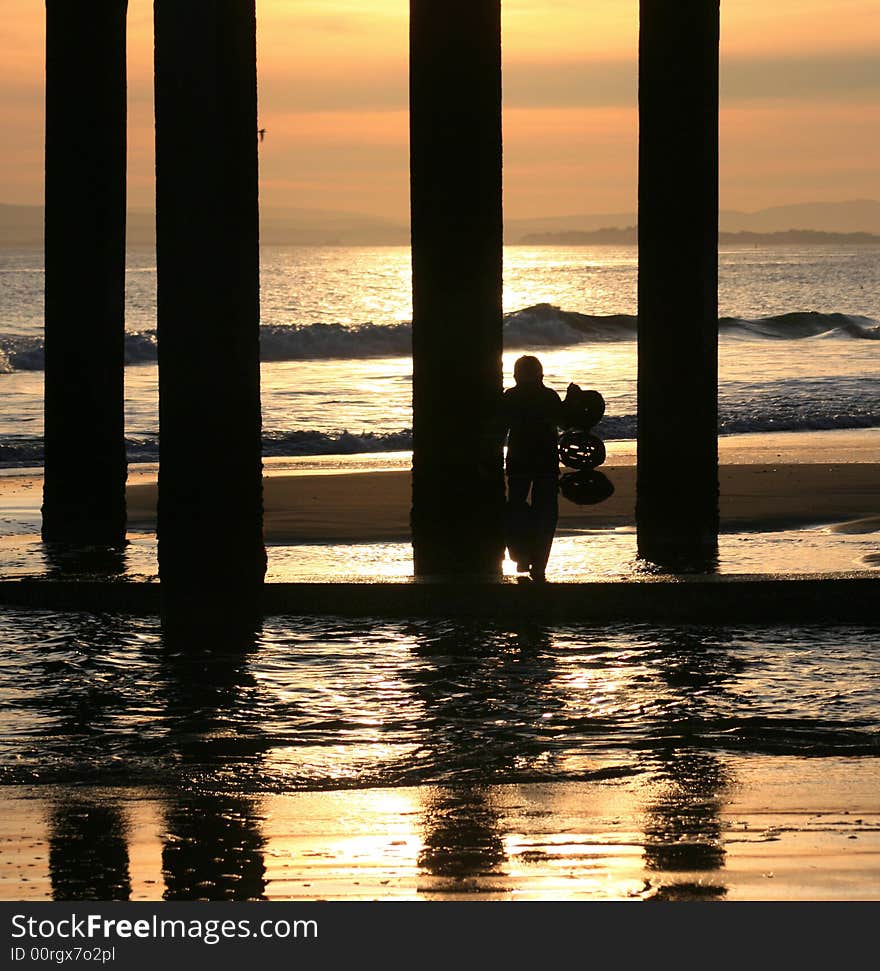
(581, 409)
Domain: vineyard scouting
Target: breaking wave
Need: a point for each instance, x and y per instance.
(542, 325)
(338, 443)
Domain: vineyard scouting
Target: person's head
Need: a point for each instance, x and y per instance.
(528, 370)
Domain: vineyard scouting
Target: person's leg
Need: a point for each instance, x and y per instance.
(545, 510)
(518, 525)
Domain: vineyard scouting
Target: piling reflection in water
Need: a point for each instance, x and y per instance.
(623, 729)
(88, 848)
(683, 827)
(213, 846)
(492, 700)
(487, 692)
(65, 561)
(484, 693)
(684, 832)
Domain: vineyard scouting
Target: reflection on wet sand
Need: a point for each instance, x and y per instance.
(213, 849)
(88, 851)
(463, 841)
(213, 846)
(489, 698)
(684, 832)
(484, 693)
(542, 764)
(88, 838)
(683, 826)
(466, 846)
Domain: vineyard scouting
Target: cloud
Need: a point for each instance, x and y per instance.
(831, 77)
(382, 85)
(838, 77)
(320, 90)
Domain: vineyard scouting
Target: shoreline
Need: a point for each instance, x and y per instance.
(840, 446)
(787, 491)
(373, 506)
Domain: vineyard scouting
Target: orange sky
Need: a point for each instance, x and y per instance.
(800, 103)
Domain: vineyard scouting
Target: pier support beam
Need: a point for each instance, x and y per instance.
(455, 153)
(85, 467)
(211, 552)
(677, 487)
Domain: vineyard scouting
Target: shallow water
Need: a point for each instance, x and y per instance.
(336, 760)
(577, 555)
(318, 704)
(582, 555)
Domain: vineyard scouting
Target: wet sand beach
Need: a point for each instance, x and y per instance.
(767, 482)
(790, 503)
(761, 829)
(374, 506)
(790, 481)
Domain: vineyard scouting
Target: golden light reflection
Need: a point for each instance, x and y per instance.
(343, 845)
(619, 839)
(340, 763)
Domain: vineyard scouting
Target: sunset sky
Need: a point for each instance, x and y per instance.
(800, 103)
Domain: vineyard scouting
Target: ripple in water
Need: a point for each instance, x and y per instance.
(323, 704)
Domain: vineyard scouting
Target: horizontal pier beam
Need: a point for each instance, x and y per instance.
(839, 598)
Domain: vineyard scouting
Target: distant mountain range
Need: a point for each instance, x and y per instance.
(854, 216)
(629, 236)
(858, 218)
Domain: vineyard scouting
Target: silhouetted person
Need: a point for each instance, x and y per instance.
(531, 413)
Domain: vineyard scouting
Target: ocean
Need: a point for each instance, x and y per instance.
(798, 351)
(327, 703)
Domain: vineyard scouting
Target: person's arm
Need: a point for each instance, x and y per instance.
(569, 405)
(558, 409)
